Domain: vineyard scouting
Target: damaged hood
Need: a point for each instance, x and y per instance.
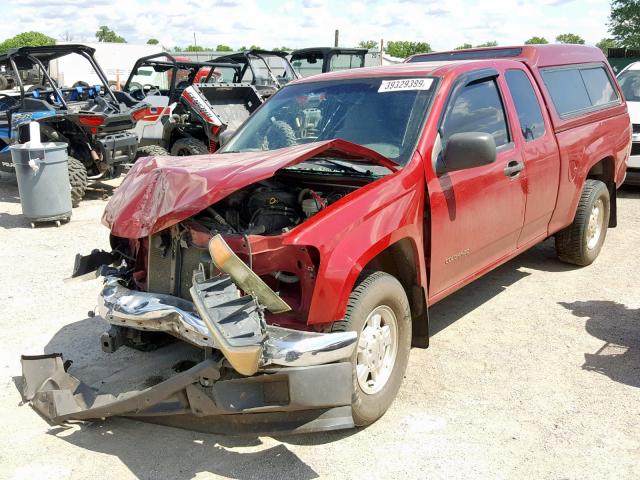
(159, 192)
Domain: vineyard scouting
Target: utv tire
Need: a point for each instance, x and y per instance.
(581, 242)
(77, 180)
(279, 135)
(378, 309)
(4, 84)
(150, 151)
(188, 146)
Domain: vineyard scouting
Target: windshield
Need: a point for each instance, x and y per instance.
(630, 83)
(279, 67)
(147, 77)
(385, 115)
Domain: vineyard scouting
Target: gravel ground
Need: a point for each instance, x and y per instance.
(533, 372)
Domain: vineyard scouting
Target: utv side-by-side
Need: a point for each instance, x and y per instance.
(159, 80)
(193, 103)
(313, 61)
(96, 122)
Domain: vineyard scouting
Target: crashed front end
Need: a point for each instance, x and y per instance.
(261, 367)
(287, 380)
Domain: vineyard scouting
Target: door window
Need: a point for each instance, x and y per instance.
(478, 108)
(527, 105)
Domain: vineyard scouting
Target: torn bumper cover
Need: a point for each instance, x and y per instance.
(278, 400)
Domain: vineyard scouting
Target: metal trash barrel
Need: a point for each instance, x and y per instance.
(43, 181)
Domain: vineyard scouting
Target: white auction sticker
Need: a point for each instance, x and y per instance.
(405, 84)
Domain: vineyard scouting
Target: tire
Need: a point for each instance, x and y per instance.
(581, 242)
(77, 180)
(377, 293)
(150, 151)
(279, 135)
(4, 84)
(188, 146)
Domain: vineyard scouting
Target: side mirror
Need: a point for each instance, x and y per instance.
(225, 136)
(466, 150)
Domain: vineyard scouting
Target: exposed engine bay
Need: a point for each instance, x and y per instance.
(269, 208)
(253, 221)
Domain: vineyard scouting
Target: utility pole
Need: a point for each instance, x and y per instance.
(335, 42)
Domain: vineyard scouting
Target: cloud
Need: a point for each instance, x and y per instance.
(308, 23)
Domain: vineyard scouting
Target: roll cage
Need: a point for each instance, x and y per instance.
(164, 62)
(244, 60)
(23, 58)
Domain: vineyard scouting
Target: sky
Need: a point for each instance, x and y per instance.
(309, 23)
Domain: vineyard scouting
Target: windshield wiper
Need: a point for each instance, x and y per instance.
(344, 166)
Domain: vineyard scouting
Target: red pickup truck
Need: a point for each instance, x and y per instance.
(301, 259)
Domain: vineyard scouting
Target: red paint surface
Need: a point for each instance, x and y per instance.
(477, 218)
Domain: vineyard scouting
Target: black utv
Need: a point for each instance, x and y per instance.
(96, 122)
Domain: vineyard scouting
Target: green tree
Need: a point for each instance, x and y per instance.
(571, 38)
(105, 34)
(255, 47)
(368, 44)
(153, 41)
(402, 49)
(624, 22)
(283, 49)
(243, 49)
(464, 46)
(224, 48)
(26, 39)
(606, 43)
(536, 41)
(491, 43)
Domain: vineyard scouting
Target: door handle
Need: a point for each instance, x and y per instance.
(513, 168)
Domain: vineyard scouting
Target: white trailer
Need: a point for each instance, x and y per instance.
(116, 60)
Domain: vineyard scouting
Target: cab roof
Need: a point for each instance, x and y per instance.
(440, 63)
(533, 55)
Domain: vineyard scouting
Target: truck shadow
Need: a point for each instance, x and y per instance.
(152, 452)
(156, 451)
(619, 327)
(541, 258)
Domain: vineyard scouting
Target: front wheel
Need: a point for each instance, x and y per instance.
(378, 310)
(581, 242)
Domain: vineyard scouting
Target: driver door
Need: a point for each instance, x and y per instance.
(477, 213)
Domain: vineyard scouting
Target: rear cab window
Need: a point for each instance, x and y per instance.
(579, 89)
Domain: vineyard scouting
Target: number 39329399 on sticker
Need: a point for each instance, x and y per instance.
(405, 84)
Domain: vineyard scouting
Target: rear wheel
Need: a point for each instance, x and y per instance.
(581, 242)
(77, 180)
(188, 146)
(150, 151)
(378, 310)
(4, 84)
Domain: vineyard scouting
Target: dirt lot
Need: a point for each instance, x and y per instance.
(533, 372)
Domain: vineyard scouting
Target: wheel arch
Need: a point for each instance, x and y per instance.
(604, 170)
(400, 260)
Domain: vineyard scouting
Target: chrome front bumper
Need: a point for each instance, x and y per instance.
(145, 311)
